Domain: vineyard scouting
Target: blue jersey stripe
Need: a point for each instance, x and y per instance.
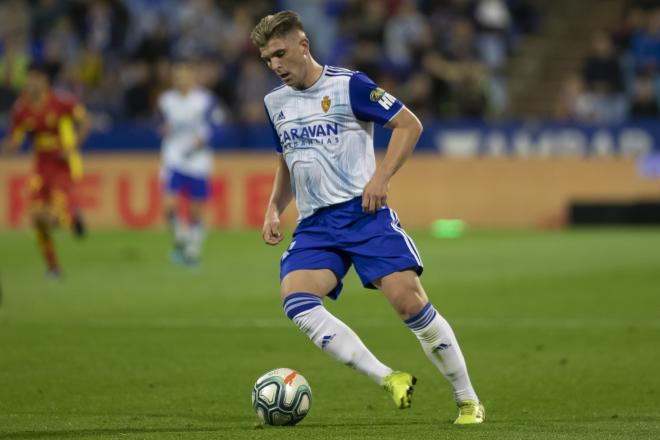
(339, 69)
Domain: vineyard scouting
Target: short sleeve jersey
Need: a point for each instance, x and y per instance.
(325, 133)
(188, 117)
(47, 123)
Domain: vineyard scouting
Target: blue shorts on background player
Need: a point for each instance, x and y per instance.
(195, 188)
(322, 120)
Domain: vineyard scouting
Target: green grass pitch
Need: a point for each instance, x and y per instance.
(561, 331)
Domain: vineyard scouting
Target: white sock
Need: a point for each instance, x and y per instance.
(441, 347)
(333, 336)
(181, 233)
(195, 238)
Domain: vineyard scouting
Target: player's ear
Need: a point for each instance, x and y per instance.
(304, 44)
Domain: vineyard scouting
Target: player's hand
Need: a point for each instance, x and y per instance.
(374, 195)
(198, 145)
(271, 230)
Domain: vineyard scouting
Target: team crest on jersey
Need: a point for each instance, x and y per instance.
(325, 104)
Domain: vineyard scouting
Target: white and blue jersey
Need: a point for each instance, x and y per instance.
(189, 118)
(325, 134)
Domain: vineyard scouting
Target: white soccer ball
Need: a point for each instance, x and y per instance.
(281, 397)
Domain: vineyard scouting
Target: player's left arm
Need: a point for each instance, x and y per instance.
(82, 122)
(406, 129)
(371, 103)
(74, 127)
(214, 117)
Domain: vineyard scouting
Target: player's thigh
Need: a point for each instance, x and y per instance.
(404, 291)
(40, 200)
(319, 282)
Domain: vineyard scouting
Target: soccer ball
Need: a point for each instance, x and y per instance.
(281, 397)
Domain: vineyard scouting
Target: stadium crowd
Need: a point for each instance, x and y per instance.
(620, 77)
(442, 57)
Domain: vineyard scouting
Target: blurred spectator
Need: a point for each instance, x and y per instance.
(573, 102)
(494, 20)
(603, 77)
(215, 77)
(15, 18)
(445, 57)
(526, 17)
(602, 70)
(136, 81)
(45, 13)
(622, 69)
(646, 45)
(257, 82)
(201, 29)
(645, 103)
(13, 70)
(61, 44)
(406, 29)
(155, 43)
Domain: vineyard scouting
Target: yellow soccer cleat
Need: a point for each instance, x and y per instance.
(400, 386)
(470, 412)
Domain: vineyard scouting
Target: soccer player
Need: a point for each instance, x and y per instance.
(56, 124)
(322, 118)
(189, 114)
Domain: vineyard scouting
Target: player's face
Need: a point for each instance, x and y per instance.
(36, 84)
(287, 56)
(183, 76)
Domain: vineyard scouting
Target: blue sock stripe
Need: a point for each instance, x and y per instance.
(295, 304)
(299, 302)
(425, 322)
(421, 313)
(291, 302)
(422, 319)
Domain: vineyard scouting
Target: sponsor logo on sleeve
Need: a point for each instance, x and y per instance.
(383, 98)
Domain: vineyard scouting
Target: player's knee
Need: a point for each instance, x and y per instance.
(40, 219)
(409, 300)
(409, 306)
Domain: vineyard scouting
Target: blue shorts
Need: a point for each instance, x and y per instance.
(195, 187)
(340, 235)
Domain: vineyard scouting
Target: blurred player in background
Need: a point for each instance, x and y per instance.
(322, 119)
(56, 125)
(189, 114)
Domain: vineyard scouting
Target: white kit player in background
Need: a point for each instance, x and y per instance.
(322, 119)
(189, 115)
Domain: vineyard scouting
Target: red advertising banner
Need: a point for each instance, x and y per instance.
(124, 190)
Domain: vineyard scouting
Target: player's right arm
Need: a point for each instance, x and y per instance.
(280, 198)
(15, 134)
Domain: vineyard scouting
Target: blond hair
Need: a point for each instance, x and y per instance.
(275, 26)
